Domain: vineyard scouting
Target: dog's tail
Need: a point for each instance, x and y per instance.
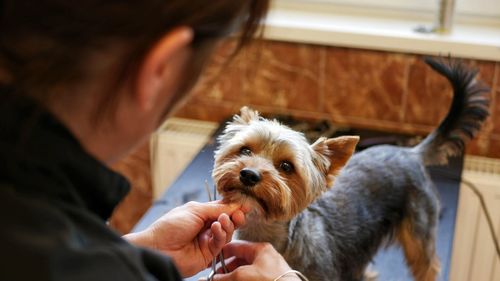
(468, 111)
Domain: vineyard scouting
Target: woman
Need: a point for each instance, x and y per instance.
(82, 84)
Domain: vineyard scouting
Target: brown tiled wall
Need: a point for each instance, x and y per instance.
(362, 88)
(137, 170)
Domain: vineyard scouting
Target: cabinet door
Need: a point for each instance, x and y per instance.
(474, 255)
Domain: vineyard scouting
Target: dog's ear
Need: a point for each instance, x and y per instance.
(238, 123)
(341, 149)
(246, 116)
(337, 150)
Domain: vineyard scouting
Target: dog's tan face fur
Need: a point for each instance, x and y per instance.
(288, 173)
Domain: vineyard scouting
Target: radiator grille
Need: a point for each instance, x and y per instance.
(482, 165)
(474, 256)
(174, 146)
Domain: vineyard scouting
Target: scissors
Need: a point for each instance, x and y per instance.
(221, 254)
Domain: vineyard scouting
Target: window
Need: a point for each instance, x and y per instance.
(390, 25)
(467, 8)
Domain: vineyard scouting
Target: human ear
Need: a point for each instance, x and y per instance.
(158, 63)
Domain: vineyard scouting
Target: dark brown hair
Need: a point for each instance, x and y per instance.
(46, 42)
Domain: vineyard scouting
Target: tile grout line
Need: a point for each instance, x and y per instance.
(322, 79)
(495, 77)
(404, 98)
(494, 96)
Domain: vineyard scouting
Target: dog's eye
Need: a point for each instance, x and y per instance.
(287, 167)
(245, 151)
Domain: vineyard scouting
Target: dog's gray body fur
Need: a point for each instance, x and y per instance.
(336, 237)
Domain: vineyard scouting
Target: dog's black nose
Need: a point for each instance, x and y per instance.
(249, 177)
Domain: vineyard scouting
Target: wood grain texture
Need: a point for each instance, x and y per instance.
(360, 88)
(136, 168)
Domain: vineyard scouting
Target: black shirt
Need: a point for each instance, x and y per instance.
(55, 200)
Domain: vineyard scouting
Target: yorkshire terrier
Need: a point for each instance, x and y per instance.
(331, 230)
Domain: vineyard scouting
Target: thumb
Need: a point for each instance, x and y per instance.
(237, 274)
(243, 250)
(224, 277)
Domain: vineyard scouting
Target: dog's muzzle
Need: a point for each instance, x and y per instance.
(250, 177)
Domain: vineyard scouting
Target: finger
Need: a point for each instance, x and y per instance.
(224, 277)
(204, 243)
(227, 226)
(218, 239)
(238, 218)
(242, 250)
(212, 210)
(232, 264)
(232, 276)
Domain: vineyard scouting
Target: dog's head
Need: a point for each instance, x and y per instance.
(274, 170)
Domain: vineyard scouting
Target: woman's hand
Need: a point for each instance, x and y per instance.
(254, 262)
(192, 234)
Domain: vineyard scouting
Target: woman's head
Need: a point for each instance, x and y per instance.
(123, 61)
(49, 43)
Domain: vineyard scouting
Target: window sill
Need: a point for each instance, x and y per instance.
(381, 32)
